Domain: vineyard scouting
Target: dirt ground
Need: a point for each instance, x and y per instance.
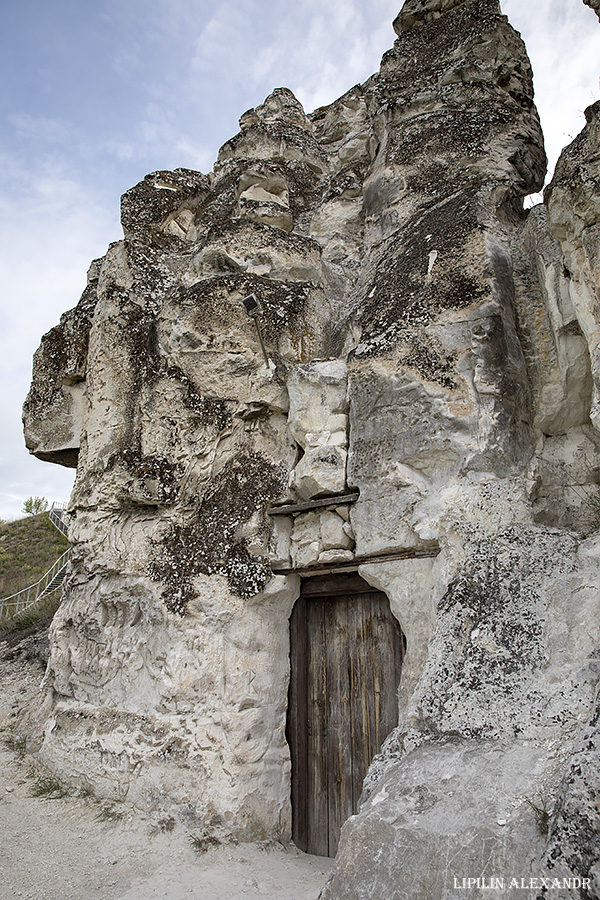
(68, 848)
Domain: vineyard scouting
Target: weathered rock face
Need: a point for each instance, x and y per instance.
(573, 199)
(419, 374)
(509, 682)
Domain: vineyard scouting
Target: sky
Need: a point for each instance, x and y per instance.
(98, 93)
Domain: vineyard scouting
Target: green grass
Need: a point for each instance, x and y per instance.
(202, 843)
(47, 786)
(28, 548)
(542, 813)
(16, 744)
(109, 814)
(32, 620)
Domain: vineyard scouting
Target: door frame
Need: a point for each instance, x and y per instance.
(319, 763)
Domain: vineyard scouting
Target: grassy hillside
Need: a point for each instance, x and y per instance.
(28, 548)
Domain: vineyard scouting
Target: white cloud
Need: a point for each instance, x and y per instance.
(563, 43)
(51, 227)
(40, 128)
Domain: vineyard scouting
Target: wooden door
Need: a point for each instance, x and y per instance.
(346, 657)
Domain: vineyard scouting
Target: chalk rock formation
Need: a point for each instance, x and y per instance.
(413, 395)
(573, 200)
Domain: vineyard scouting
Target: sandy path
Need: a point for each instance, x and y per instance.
(59, 849)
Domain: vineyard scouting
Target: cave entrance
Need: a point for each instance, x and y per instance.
(346, 656)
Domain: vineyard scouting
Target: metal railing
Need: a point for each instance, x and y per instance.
(48, 583)
(56, 515)
(26, 598)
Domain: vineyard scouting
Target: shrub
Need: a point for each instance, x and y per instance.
(35, 505)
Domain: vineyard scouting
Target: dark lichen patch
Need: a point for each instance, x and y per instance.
(430, 359)
(151, 200)
(418, 13)
(574, 834)
(257, 236)
(147, 480)
(489, 640)
(155, 269)
(571, 173)
(136, 324)
(454, 86)
(287, 142)
(459, 133)
(434, 177)
(404, 292)
(206, 410)
(212, 544)
(220, 207)
(84, 310)
(61, 357)
(348, 182)
(484, 596)
(217, 304)
(420, 56)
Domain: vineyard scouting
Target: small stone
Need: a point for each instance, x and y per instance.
(336, 556)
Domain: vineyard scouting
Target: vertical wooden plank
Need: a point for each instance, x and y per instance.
(338, 725)
(375, 673)
(357, 725)
(379, 665)
(318, 825)
(369, 701)
(297, 725)
(387, 644)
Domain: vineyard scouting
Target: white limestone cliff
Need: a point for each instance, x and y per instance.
(424, 357)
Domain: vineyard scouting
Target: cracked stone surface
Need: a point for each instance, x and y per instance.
(419, 339)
